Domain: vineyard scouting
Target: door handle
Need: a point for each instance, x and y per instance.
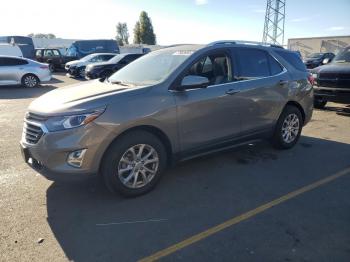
(232, 91)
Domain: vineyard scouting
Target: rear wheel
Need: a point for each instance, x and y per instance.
(319, 103)
(288, 128)
(52, 68)
(134, 163)
(30, 81)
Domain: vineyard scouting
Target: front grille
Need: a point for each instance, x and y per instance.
(336, 80)
(335, 76)
(32, 131)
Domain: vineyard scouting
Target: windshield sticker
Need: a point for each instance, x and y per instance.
(184, 52)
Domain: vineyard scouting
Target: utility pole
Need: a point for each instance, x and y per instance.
(274, 22)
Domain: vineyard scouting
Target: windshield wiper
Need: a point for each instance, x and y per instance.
(119, 83)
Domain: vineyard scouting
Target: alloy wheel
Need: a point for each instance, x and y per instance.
(138, 166)
(30, 81)
(290, 128)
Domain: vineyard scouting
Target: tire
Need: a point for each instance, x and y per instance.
(52, 68)
(120, 167)
(283, 138)
(107, 73)
(81, 72)
(30, 81)
(319, 103)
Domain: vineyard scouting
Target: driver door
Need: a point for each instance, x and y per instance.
(208, 116)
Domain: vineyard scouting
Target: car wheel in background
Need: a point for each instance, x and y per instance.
(288, 128)
(107, 73)
(319, 103)
(133, 164)
(30, 81)
(52, 68)
(81, 72)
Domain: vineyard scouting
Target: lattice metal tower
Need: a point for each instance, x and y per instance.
(274, 22)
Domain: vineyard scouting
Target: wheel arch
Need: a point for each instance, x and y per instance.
(297, 105)
(27, 74)
(147, 128)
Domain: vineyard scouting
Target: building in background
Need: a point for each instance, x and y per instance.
(310, 45)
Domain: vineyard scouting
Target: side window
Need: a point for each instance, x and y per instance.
(56, 53)
(252, 63)
(292, 58)
(106, 57)
(216, 67)
(124, 61)
(48, 52)
(275, 67)
(7, 61)
(38, 53)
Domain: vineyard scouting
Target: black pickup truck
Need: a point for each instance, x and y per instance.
(332, 81)
(53, 57)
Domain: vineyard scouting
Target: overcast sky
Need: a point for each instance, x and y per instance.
(174, 21)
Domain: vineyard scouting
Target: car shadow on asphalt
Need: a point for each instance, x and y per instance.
(91, 224)
(19, 92)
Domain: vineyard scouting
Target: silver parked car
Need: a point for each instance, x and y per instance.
(169, 105)
(22, 71)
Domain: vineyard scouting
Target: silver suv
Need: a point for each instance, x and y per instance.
(170, 105)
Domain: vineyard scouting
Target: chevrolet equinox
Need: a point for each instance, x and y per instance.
(169, 105)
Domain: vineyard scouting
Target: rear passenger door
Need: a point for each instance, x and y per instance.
(11, 70)
(262, 82)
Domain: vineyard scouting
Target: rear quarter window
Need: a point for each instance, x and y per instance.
(293, 59)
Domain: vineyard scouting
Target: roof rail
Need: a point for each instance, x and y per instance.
(242, 42)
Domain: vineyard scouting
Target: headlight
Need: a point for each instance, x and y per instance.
(314, 76)
(58, 123)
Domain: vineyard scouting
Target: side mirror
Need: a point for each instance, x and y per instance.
(325, 61)
(193, 81)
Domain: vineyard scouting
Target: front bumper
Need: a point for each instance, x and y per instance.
(49, 155)
(74, 71)
(93, 74)
(338, 95)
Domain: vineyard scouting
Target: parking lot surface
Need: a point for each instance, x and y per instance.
(43, 220)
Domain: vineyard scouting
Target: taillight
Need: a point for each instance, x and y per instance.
(311, 79)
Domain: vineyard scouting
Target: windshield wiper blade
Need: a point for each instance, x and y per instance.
(119, 83)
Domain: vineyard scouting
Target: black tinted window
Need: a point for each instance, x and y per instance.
(293, 58)
(275, 67)
(7, 61)
(251, 63)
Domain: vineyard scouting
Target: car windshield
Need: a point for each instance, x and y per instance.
(116, 59)
(88, 57)
(315, 55)
(152, 68)
(343, 57)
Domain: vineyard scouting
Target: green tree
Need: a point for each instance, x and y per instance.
(137, 38)
(122, 34)
(143, 32)
(47, 36)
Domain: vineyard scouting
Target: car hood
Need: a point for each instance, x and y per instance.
(312, 60)
(80, 97)
(333, 68)
(100, 64)
(73, 63)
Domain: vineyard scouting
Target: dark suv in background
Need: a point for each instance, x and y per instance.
(317, 59)
(106, 69)
(332, 81)
(170, 105)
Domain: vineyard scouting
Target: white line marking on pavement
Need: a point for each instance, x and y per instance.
(133, 222)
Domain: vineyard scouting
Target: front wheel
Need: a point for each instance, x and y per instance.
(288, 128)
(319, 103)
(134, 163)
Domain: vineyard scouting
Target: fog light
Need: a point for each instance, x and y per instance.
(76, 158)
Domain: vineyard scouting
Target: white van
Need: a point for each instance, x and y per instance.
(10, 50)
